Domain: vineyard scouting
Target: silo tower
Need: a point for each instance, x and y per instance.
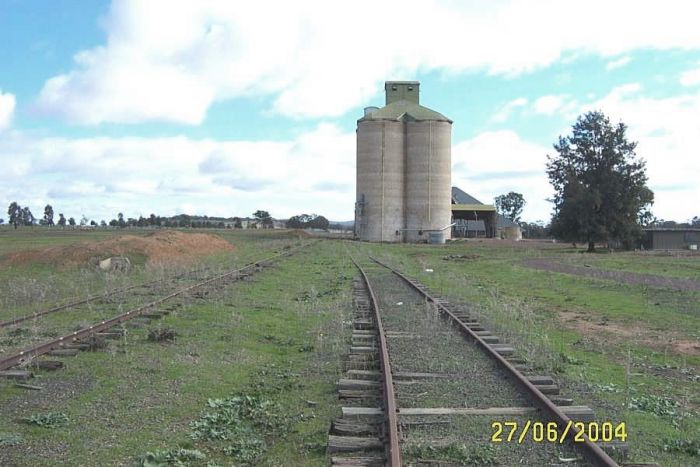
(403, 169)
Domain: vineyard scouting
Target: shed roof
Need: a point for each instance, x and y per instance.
(460, 197)
(405, 110)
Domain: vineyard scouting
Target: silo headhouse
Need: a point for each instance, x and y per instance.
(403, 170)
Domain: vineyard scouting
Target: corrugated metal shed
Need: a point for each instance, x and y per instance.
(671, 239)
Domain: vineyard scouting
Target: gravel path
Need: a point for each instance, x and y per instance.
(625, 277)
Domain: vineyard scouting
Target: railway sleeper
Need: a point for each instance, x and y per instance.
(64, 352)
(338, 444)
(346, 427)
(16, 374)
(47, 365)
(358, 394)
(357, 461)
(361, 365)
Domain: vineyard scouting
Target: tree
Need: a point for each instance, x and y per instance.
(237, 224)
(61, 220)
(71, 221)
(83, 220)
(510, 205)
(695, 222)
(599, 183)
(15, 213)
(48, 214)
(263, 218)
(120, 220)
(93, 223)
(27, 216)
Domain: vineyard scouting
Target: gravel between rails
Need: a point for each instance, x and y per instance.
(426, 343)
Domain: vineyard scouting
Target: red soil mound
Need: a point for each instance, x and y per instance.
(157, 247)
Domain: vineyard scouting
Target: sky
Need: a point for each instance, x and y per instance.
(226, 107)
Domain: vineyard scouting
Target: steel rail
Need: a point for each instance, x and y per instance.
(33, 352)
(591, 451)
(91, 298)
(393, 449)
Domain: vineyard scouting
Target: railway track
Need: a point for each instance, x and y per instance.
(83, 338)
(95, 297)
(424, 381)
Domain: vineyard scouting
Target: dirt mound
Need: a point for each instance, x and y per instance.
(156, 247)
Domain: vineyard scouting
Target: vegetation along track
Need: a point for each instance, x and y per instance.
(411, 376)
(95, 297)
(81, 338)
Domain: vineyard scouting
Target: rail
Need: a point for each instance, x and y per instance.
(591, 451)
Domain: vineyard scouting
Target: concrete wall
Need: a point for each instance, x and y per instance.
(380, 180)
(428, 178)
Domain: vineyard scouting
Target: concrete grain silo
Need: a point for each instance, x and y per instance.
(403, 169)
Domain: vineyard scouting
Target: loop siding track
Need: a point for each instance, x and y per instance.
(91, 298)
(392, 428)
(592, 452)
(33, 352)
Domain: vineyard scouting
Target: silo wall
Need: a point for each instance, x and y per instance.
(428, 179)
(380, 180)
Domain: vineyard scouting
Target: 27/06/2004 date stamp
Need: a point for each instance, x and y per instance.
(551, 432)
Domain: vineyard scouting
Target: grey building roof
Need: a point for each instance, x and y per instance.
(405, 110)
(460, 197)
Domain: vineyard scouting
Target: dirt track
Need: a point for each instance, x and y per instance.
(624, 277)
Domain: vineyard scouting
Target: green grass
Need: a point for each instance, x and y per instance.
(281, 337)
(532, 309)
(145, 398)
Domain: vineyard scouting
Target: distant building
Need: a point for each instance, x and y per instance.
(472, 218)
(671, 239)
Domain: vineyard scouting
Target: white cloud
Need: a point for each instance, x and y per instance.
(618, 63)
(102, 176)
(691, 77)
(505, 112)
(167, 60)
(494, 163)
(7, 109)
(548, 105)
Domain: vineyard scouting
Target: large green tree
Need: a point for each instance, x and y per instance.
(510, 205)
(263, 218)
(14, 210)
(599, 183)
(48, 214)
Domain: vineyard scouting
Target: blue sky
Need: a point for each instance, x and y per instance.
(224, 108)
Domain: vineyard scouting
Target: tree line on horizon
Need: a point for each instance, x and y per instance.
(23, 216)
(600, 195)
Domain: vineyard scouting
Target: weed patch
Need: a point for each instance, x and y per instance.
(659, 406)
(49, 420)
(9, 439)
(685, 446)
(177, 457)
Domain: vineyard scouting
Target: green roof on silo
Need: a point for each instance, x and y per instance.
(405, 110)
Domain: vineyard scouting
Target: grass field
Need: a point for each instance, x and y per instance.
(269, 351)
